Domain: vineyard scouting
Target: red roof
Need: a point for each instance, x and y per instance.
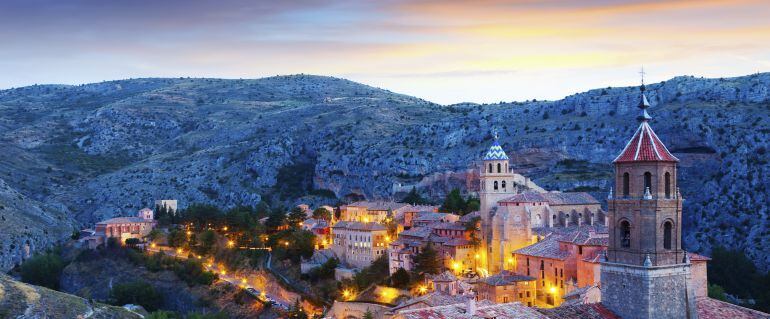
(645, 146)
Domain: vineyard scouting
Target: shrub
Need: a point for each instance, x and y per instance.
(43, 270)
(138, 293)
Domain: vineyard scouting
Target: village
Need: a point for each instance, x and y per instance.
(510, 250)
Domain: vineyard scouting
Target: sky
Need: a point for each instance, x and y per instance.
(482, 51)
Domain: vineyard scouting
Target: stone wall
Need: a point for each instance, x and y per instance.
(648, 292)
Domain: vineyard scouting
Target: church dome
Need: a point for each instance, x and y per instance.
(495, 152)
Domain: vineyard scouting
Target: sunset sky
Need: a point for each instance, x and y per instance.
(443, 51)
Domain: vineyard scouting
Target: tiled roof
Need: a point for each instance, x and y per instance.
(469, 216)
(484, 309)
(421, 232)
(447, 226)
(709, 308)
(553, 198)
(495, 152)
(645, 146)
(586, 236)
(457, 242)
(433, 299)
(124, 220)
(443, 277)
(546, 248)
(430, 216)
(582, 311)
(505, 278)
(359, 226)
(378, 205)
(697, 257)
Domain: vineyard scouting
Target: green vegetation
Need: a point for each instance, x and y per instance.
(454, 203)
(738, 276)
(43, 270)
(190, 271)
(376, 273)
(400, 279)
(414, 198)
(296, 311)
(427, 261)
(138, 293)
(325, 271)
(322, 213)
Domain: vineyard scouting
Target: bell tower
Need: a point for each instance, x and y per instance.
(645, 272)
(497, 184)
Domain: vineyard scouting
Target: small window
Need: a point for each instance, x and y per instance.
(495, 185)
(668, 185)
(490, 168)
(667, 229)
(499, 169)
(625, 184)
(648, 181)
(625, 234)
(503, 184)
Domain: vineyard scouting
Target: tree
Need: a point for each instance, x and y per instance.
(322, 213)
(400, 278)
(160, 314)
(43, 270)
(717, 292)
(453, 203)
(296, 216)
(368, 314)
(206, 240)
(427, 261)
(176, 238)
(138, 293)
(276, 219)
(132, 242)
(296, 311)
(414, 198)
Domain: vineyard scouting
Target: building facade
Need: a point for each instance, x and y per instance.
(358, 244)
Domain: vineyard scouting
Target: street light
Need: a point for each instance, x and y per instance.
(230, 243)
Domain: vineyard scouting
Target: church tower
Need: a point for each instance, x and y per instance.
(645, 272)
(496, 184)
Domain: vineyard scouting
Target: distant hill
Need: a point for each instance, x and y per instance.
(110, 148)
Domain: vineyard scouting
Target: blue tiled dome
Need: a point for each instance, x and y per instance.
(495, 152)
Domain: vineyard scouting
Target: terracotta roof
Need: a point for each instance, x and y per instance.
(443, 277)
(433, 299)
(546, 248)
(421, 232)
(447, 225)
(359, 226)
(457, 242)
(469, 216)
(484, 309)
(495, 152)
(697, 257)
(553, 198)
(430, 216)
(505, 278)
(709, 308)
(645, 146)
(124, 220)
(378, 205)
(586, 236)
(582, 311)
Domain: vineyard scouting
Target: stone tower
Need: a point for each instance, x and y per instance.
(496, 184)
(645, 272)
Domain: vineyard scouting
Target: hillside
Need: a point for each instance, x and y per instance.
(109, 148)
(20, 300)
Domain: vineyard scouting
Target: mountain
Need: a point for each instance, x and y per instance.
(110, 148)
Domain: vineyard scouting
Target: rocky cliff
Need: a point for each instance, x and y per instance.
(109, 148)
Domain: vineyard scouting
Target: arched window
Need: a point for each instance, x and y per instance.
(503, 184)
(668, 185)
(648, 181)
(499, 169)
(625, 234)
(667, 229)
(625, 184)
(490, 167)
(495, 185)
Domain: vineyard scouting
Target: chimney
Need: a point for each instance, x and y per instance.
(471, 305)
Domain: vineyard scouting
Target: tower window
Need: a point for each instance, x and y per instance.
(499, 169)
(490, 167)
(503, 184)
(625, 184)
(495, 185)
(625, 234)
(668, 185)
(667, 229)
(648, 181)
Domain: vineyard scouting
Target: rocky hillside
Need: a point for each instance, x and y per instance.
(20, 300)
(109, 148)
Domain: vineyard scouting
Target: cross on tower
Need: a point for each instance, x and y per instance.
(642, 73)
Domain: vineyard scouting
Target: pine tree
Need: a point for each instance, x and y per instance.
(427, 261)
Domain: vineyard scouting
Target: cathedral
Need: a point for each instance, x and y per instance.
(511, 213)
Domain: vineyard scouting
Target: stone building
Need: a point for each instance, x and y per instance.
(124, 228)
(358, 244)
(507, 286)
(646, 274)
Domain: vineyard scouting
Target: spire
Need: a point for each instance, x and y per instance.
(643, 103)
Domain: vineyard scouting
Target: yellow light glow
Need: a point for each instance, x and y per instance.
(366, 219)
(510, 260)
(243, 280)
(189, 233)
(230, 243)
(477, 256)
(423, 289)
(387, 238)
(456, 266)
(224, 272)
(553, 290)
(286, 243)
(152, 245)
(346, 293)
(179, 250)
(199, 257)
(224, 228)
